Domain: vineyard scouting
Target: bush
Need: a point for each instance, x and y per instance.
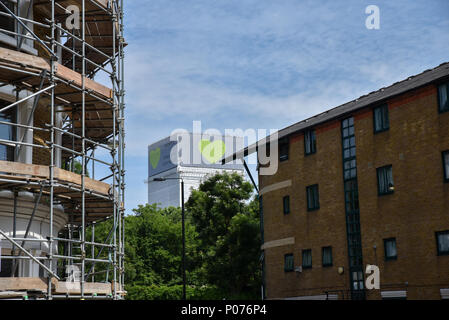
(163, 292)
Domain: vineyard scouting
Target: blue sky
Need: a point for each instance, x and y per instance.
(262, 64)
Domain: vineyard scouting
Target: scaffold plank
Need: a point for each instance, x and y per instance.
(62, 175)
(24, 61)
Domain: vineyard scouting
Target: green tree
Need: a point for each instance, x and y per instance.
(227, 223)
(222, 245)
(77, 167)
(154, 246)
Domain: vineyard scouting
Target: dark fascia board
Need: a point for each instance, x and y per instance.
(375, 97)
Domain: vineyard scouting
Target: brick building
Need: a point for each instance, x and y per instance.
(365, 183)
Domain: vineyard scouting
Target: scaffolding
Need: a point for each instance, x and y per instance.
(82, 124)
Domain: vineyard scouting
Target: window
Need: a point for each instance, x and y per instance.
(350, 169)
(327, 256)
(286, 204)
(307, 259)
(6, 268)
(7, 133)
(385, 183)
(443, 97)
(288, 262)
(443, 243)
(390, 249)
(357, 280)
(7, 23)
(446, 165)
(309, 142)
(349, 159)
(380, 117)
(283, 149)
(313, 198)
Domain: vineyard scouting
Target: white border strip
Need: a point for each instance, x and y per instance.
(394, 294)
(278, 243)
(276, 186)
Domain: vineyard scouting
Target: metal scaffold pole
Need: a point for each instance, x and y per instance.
(113, 153)
(52, 150)
(83, 148)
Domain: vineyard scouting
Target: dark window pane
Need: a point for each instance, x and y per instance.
(353, 152)
(377, 119)
(385, 180)
(313, 201)
(390, 249)
(352, 141)
(307, 258)
(446, 165)
(351, 131)
(286, 204)
(7, 133)
(443, 94)
(443, 242)
(7, 23)
(283, 149)
(327, 256)
(309, 142)
(381, 122)
(6, 268)
(288, 262)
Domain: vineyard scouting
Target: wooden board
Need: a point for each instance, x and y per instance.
(59, 174)
(27, 60)
(23, 59)
(9, 284)
(68, 74)
(24, 169)
(91, 184)
(63, 287)
(12, 294)
(35, 284)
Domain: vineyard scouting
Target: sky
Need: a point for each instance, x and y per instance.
(256, 64)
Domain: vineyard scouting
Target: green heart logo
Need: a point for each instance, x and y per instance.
(155, 155)
(212, 151)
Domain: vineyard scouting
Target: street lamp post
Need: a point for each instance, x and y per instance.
(183, 234)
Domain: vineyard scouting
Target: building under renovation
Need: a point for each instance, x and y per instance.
(61, 149)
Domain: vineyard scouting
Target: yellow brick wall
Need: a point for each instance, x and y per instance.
(418, 207)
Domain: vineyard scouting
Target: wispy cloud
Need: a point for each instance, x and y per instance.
(259, 64)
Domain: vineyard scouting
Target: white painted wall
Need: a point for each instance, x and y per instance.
(40, 228)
